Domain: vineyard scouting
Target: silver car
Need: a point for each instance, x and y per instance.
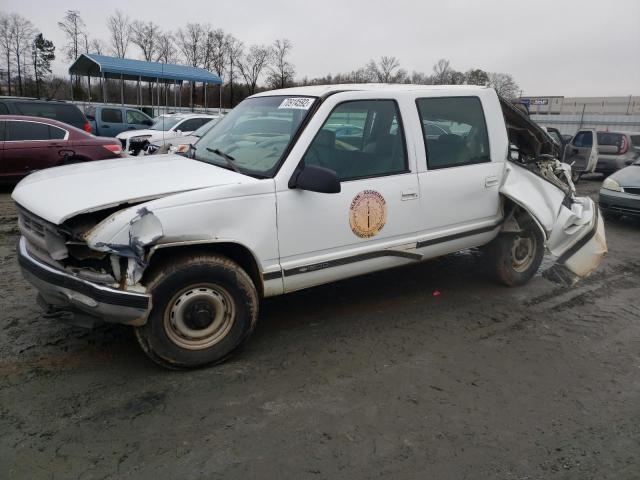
(617, 150)
(620, 193)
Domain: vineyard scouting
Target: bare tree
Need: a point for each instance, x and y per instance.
(73, 28)
(120, 31)
(442, 72)
(386, 70)
(281, 71)
(504, 84)
(252, 64)
(234, 49)
(96, 46)
(145, 35)
(22, 39)
(166, 52)
(6, 43)
(190, 41)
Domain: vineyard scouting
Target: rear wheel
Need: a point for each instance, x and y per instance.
(204, 308)
(515, 257)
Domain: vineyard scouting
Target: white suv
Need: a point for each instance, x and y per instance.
(274, 199)
(164, 129)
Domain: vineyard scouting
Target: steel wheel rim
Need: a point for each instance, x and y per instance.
(199, 316)
(523, 252)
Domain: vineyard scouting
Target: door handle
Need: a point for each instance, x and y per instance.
(491, 181)
(105, 126)
(409, 194)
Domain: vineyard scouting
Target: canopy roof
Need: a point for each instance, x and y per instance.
(90, 64)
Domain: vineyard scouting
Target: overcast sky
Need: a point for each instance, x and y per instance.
(551, 47)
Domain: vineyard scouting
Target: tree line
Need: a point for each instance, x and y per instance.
(25, 68)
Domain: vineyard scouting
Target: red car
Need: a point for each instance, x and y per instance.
(33, 143)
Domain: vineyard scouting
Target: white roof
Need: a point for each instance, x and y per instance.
(320, 90)
(189, 114)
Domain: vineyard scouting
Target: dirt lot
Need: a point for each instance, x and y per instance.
(371, 377)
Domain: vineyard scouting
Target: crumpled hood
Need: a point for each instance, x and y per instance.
(59, 193)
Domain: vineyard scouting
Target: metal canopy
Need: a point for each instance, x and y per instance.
(90, 64)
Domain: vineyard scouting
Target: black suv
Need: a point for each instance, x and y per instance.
(54, 109)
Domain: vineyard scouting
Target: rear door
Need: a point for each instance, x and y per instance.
(582, 152)
(111, 122)
(459, 189)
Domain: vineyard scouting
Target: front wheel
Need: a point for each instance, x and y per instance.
(204, 308)
(515, 257)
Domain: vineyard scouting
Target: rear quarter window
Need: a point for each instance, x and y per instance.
(606, 138)
(635, 140)
(63, 112)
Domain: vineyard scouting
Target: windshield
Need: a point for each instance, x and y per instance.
(255, 134)
(164, 124)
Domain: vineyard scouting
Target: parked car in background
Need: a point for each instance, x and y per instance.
(34, 143)
(620, 192)
(180, 144)
(617, 150)
(53, 109)
(165, 127)
(601, 151)
(109, 121)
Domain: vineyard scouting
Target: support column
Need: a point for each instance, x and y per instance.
(205, 97)
(121, 90)
(103, 81)
(71, 83)
(220, 99)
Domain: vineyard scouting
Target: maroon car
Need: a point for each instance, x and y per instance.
(34, 143)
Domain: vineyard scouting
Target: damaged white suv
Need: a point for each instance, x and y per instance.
(296, 188)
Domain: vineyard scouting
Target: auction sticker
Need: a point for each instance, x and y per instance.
(297, 103)
(367, 213)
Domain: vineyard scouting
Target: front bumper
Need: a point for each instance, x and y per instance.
(620, 203)
(63, 292)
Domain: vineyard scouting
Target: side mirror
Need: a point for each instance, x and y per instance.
(316, 179)
(148, 122)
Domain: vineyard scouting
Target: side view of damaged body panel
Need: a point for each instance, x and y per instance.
(276, 198)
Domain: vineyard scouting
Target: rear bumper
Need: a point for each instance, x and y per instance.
(619, 202)
(63, 292)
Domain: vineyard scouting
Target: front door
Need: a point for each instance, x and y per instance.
(582, 152)
(137, 120)
(371, 223)
(28, 147)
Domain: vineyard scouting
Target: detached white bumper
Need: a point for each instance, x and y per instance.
(584, 256)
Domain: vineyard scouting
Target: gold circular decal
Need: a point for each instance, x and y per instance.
(367, 213)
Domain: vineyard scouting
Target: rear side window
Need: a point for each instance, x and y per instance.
(607, 138)
(4, 110)
(56, 133)
(63, 112)
(192, 124)
(454, 131)
(111, 115)
(1, 131)
(583, 139)
(27, 131)
(362, 138)
(635, 140)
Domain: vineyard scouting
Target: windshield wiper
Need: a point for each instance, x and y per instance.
(228, 158)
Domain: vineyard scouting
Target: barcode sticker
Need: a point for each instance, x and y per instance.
(298, 103)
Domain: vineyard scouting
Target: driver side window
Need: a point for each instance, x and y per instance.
(360, 139)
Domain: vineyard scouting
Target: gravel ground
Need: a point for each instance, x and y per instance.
(371, 377)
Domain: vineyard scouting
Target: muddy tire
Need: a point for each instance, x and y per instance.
(513, 258)
(204, 308)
